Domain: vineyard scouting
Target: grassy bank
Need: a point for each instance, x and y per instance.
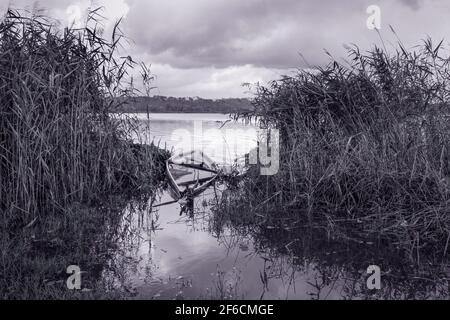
(364, 153)
(60, 151)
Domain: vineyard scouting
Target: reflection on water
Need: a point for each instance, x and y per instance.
(164, 255)
(168, 256)
(171, 256)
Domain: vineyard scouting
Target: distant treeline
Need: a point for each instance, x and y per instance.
(159, 104)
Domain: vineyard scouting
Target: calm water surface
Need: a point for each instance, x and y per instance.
(217, 135)
(163, 255)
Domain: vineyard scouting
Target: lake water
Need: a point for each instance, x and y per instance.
(165, 255)
(217, 135)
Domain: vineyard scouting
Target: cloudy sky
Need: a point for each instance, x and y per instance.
(208, 48)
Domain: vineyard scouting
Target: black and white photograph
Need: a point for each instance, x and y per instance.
(224, 150)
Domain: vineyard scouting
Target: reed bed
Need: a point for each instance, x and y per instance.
(61, 151)
(58, 142)
(364, 150)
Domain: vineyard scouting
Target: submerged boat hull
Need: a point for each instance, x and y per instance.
(190, 174)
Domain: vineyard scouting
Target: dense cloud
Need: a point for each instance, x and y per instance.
(222, 33)
(209, 47)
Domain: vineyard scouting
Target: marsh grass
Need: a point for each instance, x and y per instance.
(60, 149)
(365, 149)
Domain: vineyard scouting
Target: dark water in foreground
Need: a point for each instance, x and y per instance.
(180, 257)
(162, 255)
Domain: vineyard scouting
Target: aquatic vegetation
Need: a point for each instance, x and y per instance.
(58, 142)
(364, 155)
(366, 144)
(60, 150)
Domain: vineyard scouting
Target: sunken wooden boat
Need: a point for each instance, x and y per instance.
(190, 174)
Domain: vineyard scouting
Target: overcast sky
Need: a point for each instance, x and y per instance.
(208, 48)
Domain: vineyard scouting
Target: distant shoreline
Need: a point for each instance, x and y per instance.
(161, 104)
(174, 112)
